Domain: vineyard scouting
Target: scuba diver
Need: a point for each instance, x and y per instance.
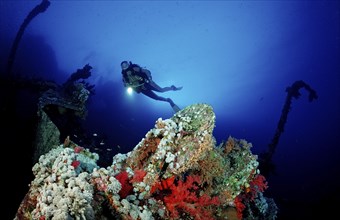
(140, 80)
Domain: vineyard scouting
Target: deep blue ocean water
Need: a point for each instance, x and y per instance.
(237, 56)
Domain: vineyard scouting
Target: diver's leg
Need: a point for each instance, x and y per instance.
(152, 95)
(154, 86)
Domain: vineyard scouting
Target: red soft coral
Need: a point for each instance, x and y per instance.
(239, 206)
(184, 197)
(138, 176)
(78, 149)
(75, 163)
(164, 184)
(258, 184)
(127, 187)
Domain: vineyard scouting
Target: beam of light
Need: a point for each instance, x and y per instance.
(129, 90)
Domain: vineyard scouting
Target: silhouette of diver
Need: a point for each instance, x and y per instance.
(140, 80)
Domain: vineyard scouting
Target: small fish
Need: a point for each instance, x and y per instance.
(95, 135)
(102, 143)
(75, 135)
(108, 149)
(118, 146)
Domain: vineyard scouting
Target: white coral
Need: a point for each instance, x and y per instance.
(62, 192)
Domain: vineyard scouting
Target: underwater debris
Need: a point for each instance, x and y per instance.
(66, 102)
(42, 7)
(266, 165)
(176, 171)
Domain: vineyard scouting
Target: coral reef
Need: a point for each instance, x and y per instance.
(175, 172)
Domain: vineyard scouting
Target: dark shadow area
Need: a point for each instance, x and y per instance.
(37, 59)
(18, 132)
(18, 108)
(19, 94)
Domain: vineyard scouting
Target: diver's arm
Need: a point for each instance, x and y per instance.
(133, 81)
(144, 74)
(126, 82)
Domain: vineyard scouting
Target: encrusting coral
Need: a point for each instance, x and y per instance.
(175, 172)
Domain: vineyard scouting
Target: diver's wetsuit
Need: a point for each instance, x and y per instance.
(135, 75)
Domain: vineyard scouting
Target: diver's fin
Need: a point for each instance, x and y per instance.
(173, 105)
(174, 88)
(179, 88)
(175, 108)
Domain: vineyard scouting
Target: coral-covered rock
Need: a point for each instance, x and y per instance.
(176, 171)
